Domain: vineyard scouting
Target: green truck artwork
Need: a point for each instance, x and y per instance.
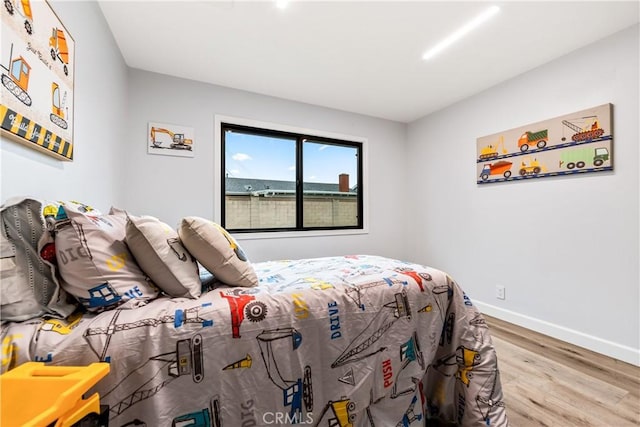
(579, 158)
(539, 139)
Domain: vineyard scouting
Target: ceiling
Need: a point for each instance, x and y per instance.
(358, 56)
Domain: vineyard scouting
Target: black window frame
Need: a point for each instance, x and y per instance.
(300, 138)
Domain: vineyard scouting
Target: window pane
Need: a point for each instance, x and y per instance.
(260, 176)
(330, 197)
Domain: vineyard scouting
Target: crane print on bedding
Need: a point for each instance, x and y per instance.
(339, 341)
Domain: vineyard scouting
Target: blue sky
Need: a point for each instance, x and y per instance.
(250, 156)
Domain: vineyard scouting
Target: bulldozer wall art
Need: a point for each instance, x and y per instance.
(572, 144)
(37, 78)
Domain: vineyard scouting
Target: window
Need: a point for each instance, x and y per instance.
(275, 180)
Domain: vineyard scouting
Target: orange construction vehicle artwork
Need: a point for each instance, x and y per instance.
(499, 168)
(539, 139)
(178, 141)
(590, 130)
(23, 7)
(17, 78)
(59, 48)
(58, 106)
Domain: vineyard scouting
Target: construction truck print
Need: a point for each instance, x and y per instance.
(296, 387)
(578, 158)
(419, 278)
(59, 48)
(585, 128)
(168, 139)
(179, 318)
(459, 364)
(528, 139)
(498, 168)
(101, 296)
(410, 415)
(58, 106)
(207, 417)
(185, 360)
(62, 327)
(571, 144)
(409, 352)
(37, 96)
(490, 151)
(531, 167)
(364, 344)
(339, 413)
(241, 306)
(16, 77)
(22, 8)
(177, 140)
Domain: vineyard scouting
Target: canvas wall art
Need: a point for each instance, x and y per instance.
(575, 143)
(37, 75)
(170, 140)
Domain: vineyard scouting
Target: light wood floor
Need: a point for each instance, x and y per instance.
(547, 382)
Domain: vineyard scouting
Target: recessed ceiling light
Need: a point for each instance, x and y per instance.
(282, 4)
(461, 32)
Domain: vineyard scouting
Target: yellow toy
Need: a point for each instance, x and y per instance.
(61, 404)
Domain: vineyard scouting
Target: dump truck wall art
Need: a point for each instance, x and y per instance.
(37, 78)
(529, 139)
(575, 143)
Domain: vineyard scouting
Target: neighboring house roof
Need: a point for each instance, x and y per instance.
(246, 186)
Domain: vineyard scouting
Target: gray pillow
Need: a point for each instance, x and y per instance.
(30, 287)
(217, 251)
(159, 252)
(96, 264)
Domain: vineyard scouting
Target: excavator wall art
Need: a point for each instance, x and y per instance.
(170, 140)
(571, 144)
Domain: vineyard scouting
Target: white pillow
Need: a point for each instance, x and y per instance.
(96, 264)
(217, 251)
(159, 252)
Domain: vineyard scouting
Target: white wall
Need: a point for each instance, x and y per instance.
(173, 187)
(99, 127)
(566, 248)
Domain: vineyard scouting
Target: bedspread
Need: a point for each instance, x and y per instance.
(339, 341)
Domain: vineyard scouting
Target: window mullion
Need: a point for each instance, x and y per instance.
(299, 183)
(223, 184)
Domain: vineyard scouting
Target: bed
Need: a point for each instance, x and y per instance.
(357, 340)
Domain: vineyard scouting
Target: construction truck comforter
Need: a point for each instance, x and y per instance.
(340, 341)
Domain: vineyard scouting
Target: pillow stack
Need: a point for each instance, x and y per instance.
(121, 260)
(53, 252)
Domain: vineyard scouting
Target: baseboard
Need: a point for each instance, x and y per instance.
(608, 348)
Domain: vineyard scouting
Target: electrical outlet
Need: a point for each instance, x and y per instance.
(500, 292)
